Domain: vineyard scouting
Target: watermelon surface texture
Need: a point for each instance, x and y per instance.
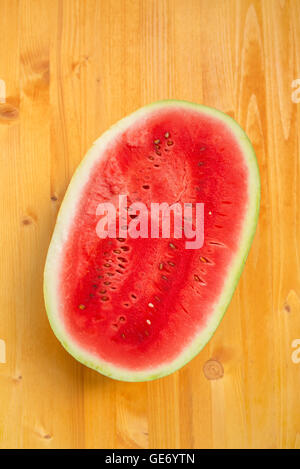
(139, 309)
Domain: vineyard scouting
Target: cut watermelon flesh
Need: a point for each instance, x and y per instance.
(138, 309)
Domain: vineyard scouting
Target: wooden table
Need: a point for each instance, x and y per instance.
(71, 69)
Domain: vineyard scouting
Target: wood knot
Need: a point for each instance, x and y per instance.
(8, 112)
(213, 370)
(27, 221)
(82, 62)
(18, 379)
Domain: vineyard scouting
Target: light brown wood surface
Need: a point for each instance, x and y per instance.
(74, 67)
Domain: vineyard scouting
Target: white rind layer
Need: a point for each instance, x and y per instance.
(64, 223)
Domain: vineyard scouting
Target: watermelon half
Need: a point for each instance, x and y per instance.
(139, 309)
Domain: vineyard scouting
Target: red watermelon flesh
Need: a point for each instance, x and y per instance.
(137, 309)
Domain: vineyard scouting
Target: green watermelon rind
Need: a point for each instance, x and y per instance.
(64, 221)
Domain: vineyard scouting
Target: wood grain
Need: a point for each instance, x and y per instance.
(74, 67)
